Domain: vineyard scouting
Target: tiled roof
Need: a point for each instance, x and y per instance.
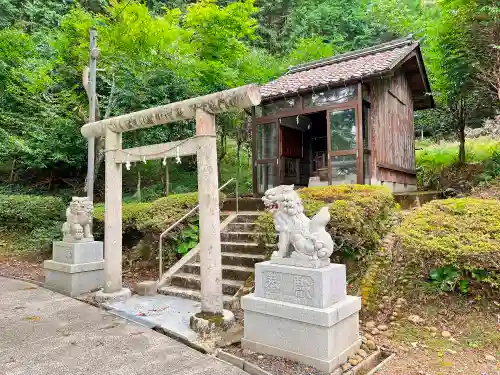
(351, 66)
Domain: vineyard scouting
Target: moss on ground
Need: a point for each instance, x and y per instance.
(216, 319)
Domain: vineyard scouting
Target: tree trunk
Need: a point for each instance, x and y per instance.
(461, 147)
(221, 152)
(99, 141)
(99, 155)
(167, 179)
(162, 177)
(138, 192)
(12, 171)
(461, 133)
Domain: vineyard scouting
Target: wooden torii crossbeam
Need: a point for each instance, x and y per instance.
(204, 145)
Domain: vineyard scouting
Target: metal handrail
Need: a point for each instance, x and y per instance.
(160, 255)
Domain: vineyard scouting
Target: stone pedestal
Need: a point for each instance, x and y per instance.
(302, 314)
(76, 267)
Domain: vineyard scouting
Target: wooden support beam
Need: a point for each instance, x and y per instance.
(223, 101)
(396, 168)
(158, 151)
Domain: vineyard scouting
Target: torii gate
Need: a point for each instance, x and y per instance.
(204, 145)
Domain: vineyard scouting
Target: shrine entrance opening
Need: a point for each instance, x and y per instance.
(204, 145)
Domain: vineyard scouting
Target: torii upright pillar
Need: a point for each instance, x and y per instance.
(208, 198)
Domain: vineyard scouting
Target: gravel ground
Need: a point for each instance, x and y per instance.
(415, 355)
(23, 269)
(275, 365)
(427, 362)
(32, 269)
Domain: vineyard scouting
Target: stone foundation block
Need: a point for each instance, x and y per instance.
(322, 338)
(207, 325)
(146, 288)
(81, 278)
(78, 252)
(76, 268)
(119, 296)
(318, 287)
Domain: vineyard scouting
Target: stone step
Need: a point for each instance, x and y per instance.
(192, 294)
(240, 227)
(193, 281)
(246, 217)
(241, 259)
(244, 204)
(239, 236)
(230, 272)
(243, 247)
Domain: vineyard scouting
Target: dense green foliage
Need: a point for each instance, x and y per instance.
(148, 57)
(30, 212)
(460, 47)
(438, 165)
(360, 216)
(345, 24)
(154, 216)
(444, 246)
(30, 223)
(464, 232)
(155, 52)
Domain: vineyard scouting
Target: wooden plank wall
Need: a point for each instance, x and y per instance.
(393, 139)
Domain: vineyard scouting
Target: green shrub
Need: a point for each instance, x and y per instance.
(360, 216)
(464, 232)
(492, 168)
(153, 216)
(144, 222)
(30, 211)
(445, 245)
(33, 222)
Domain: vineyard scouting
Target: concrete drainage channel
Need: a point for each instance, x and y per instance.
(369, 366)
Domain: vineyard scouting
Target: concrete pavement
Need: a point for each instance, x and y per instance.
(46, 333)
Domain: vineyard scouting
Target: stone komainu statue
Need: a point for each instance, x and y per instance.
(300, 238)
(78, 220)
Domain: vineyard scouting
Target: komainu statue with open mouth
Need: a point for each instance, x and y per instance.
(303, 242)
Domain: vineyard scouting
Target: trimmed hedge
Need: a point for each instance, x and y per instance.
(443, 241)
(360, 216)
(154, 216)
(144, 222)
(30, 211)
(32, 222)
